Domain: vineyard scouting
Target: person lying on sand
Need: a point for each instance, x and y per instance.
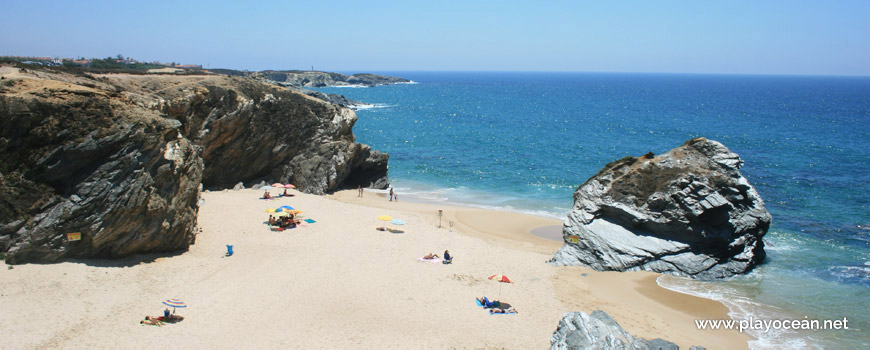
(486, 302)
(502, 311)
(430, 256)
(152, 321)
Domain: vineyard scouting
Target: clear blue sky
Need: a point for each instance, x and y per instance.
(753, 37)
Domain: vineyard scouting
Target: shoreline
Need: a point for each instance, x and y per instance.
(341, 283)
(636, 288)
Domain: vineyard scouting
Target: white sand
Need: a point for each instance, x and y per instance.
(338, 283)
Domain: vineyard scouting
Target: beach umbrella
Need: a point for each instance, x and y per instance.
(277, 185)
(174, 303)
(500, 279)
(385, 218)
(283, 213)
(285, 207)
(271, 210)
(294, 211)
(397, 222)
(289, 186)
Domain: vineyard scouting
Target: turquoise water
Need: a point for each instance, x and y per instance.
(526, 141)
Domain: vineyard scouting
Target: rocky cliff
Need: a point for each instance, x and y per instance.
(321, 79)
(687, 212)
(120, 159)
(598, 331)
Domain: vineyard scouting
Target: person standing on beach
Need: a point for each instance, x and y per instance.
(360, 190)
(391, 194)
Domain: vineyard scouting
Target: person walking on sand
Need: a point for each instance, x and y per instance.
(360, 190)
(391, 194)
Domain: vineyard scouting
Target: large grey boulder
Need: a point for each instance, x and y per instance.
(687, 212)
(598, 331)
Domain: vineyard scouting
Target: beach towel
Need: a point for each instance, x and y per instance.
(502, 313)
(434, 261)
(476, 301)
(309, 221)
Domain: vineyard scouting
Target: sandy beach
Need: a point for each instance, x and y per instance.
(340, 283)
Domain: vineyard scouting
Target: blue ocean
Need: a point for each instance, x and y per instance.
(525, 141)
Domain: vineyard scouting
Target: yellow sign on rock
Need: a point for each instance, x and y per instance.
(573, 239)
(75, 236)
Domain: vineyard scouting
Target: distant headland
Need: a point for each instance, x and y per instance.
(287, 78)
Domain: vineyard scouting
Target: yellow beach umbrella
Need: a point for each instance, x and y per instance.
(282, 213)
(385, 218)
(271, 210)
(294, 211)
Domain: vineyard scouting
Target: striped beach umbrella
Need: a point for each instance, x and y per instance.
(501, 279)
(174, 303)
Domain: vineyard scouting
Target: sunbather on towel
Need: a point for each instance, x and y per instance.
(502, 311)
(430, 256)
(151, 321)
(486, 302)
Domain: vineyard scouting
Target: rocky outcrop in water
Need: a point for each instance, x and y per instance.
(687, 212)
(121, 158)
(598, 331)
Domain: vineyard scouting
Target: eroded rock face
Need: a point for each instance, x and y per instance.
(253, 132)
(598, 331)
(687, 212)
(78, 158)
(121, 158)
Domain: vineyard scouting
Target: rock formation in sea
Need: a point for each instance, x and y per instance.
(598, 331)
(119, 159)
(687, 212)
